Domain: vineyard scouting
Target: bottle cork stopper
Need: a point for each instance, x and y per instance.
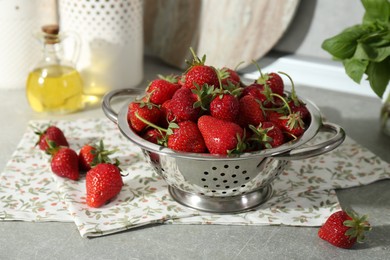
(51, 33)
(51, 29)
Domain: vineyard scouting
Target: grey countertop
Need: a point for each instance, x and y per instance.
(358, 115)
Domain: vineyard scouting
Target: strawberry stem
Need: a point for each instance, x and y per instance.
(294, 96)
(150, 123)
(284, 101)
(238, 65)
(258, 68)
(218, 77)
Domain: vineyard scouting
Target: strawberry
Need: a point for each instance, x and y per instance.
(221, 137)
(199, 74)
(275, 82)
(225, 107)
(183, 136)
(186, 138)
(181, 106)
(162, 89)
(272, 80)
(65, 162)
(91, 155)
(146, 110)
(87, 155)
(262, 93)
(267, 135)
(299, 107)
(227, 74)
(254, 90)
(103, 183)
(52, 134)
(291, 123)
(250, 111)
(153, 135)
(343, 229)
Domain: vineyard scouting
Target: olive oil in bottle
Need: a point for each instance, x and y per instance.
(54, 85)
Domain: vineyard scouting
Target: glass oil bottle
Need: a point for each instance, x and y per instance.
(54, 85)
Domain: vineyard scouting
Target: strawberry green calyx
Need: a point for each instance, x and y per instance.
(223, 73)
(357, 226)
(205, 95)
(261, 136)
(102, 155)
(53, 148)
(262, 80)
(234, 90)
(196, 60)
(170, 78)
(294, 120)
(241, 145)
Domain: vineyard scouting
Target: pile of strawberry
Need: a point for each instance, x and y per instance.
(209, 110)
(103, 178)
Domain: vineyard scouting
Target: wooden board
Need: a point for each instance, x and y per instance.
(227, 31)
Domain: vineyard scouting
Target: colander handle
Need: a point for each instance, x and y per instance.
(318, 149)
(107, 99)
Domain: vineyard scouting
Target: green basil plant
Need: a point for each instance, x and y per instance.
(365, 48)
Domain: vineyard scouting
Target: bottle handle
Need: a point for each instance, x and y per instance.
(76, 44)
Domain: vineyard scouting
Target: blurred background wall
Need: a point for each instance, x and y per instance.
(316, 20)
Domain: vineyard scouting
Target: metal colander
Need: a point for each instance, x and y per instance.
(223, 184)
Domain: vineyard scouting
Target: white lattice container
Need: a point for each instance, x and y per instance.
(19, 51)
(111, 32)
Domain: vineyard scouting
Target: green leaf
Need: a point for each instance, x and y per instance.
(376, 11)
(382, 53)
(361, 53)
(355, 68)
(379, 76)
(368, 52)
(343, 45)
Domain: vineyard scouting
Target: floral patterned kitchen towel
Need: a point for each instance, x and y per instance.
(28, 190)
(303, 195)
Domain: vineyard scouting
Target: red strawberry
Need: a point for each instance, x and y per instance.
(225, 107)
(199, 74)
(65, 163)
(153, 135)
(227, 74)
(291, 123)
(261, 92)
(181, 106)
(186, 138)
(299, 107)
(52, 134)
(103, 182)
(275, 82)
(162, 89)
(344, 229)
(220, 136)
(87, 155)
(91, 155)
(167, 113)
(272, 80)
(253, 90)
(267, 135)
(250, 112)
(146, 110)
